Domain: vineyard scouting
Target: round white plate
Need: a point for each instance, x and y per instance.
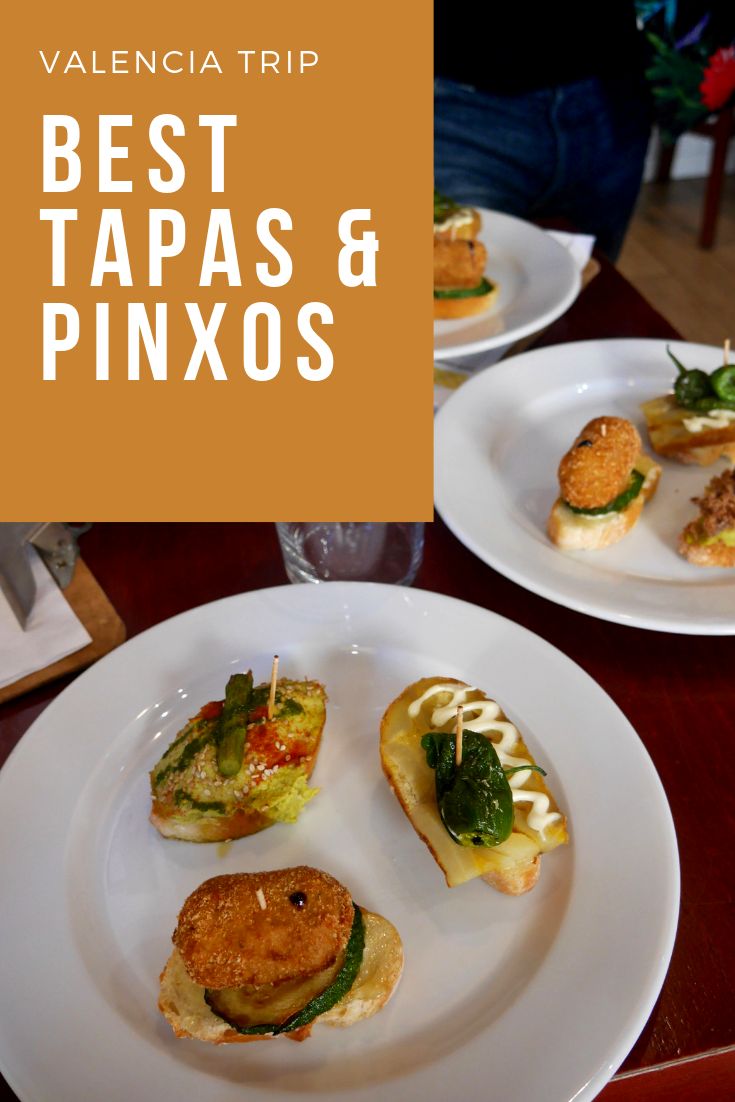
(540, 996)
(499, 440)
(538, 281)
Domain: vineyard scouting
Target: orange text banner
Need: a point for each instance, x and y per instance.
(217, 269)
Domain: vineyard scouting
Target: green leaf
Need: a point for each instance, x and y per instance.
(474, 798)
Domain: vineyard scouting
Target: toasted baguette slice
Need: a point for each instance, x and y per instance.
(704, 554)
(513, 866)
(670, 437)
(465, 307)
(577, 532)
(193, 802)
(182, 1002)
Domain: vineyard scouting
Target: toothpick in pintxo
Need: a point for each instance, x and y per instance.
(458, 740)
(274, 678)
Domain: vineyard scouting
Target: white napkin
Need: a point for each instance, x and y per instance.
(52, 631)
(580, 245)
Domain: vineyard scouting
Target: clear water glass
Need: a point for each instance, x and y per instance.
(359, 551)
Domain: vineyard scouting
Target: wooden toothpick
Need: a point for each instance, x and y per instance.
(726, 354)
(274, 678)
(458, 740)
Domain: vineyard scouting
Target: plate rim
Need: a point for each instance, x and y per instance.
(666, 927)
(510, 336)
(527, 581)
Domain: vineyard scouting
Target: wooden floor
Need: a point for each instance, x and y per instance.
(692, 287)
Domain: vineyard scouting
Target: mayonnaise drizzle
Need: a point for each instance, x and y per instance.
(461, 217)
(481, 716)
(715, 419)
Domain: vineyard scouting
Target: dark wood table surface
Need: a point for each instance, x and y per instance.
(678, 691)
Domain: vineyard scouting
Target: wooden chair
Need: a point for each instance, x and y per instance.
(720, 128)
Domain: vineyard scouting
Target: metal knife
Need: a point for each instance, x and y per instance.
(57, 545)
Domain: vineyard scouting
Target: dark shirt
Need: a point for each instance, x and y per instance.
(508, 47)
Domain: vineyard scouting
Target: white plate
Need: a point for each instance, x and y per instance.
(538, 281)
(532, 998)
(499, 440)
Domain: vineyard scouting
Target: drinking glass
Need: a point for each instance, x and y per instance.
(360, 551)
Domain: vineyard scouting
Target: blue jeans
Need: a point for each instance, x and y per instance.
(574, 152)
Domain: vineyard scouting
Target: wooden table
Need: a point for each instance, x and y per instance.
(677, 691)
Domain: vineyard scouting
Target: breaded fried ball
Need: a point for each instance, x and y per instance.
(597, 467)
(459, 263)
(263, 927)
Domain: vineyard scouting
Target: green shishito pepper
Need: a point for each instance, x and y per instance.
(618, 503)
(320, 1004)
(484, 287)
(232, 726)
(474, 798)
(696, 390)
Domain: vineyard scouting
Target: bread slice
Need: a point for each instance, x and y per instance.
(715, 553)
(511, 867)
(669, 435)
(577, 532)
(182, 1002)
(445, 308)
(194, 802)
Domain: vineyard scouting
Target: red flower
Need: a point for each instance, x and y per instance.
(718, 82)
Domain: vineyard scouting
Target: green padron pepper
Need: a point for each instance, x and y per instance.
(696, 390)
(474, 798)
(723, 383)
(232, 726)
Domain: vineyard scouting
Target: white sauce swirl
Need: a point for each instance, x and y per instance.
(481, 716)
(715, 419)
(462, 217)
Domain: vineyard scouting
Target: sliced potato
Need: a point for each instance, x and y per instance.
(670, 437)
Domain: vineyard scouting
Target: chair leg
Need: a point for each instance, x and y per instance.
(722, 133)
(663, 162)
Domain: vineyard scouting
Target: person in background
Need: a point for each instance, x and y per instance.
(543, 111)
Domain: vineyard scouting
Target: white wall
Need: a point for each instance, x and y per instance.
(692, 157)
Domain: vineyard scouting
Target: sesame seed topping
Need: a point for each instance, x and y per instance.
(261, 898)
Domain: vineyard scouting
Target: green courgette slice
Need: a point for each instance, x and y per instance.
(484, 287)
(320, 1003)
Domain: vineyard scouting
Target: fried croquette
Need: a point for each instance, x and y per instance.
(258, 955)
(263, 928)
(597, 468)
(459, 263)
